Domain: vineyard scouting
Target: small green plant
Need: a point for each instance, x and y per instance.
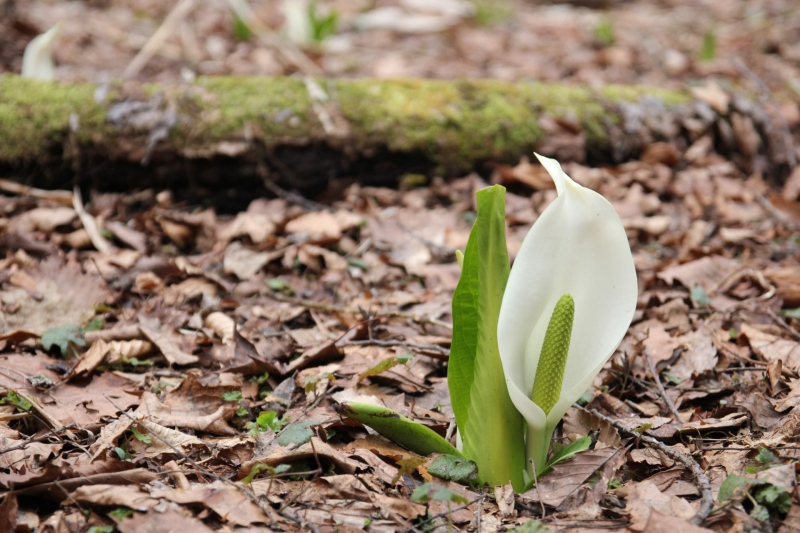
(270, 470)
(121, 513)
(528, 341)
(604, 32)
(12, 398)
(491, 12)
(762, 496)
(265, 420)
(699, 296)
(232, 396)
(708, 50)
(323, 25)
(141, 437)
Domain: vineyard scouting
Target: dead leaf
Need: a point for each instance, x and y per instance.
(708, 272)
(168, 346)
(567, 477)
(771, 347)
(114, 496)
(230, 504)
(644, 498)
(168, 521)
(192, 406)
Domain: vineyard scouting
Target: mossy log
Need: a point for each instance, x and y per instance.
(214, 131)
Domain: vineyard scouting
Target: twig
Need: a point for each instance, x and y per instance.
(155, 42)
(59, 197)
(351, 311)
(439, 351)
(661, 389)
(782, 323)
(703, 483)
(786, 133)
(441, 515)
(90, 224)
(774, 211)
(28, 442)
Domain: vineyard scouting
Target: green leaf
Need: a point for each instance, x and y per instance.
(760, 513)
(121, 513)
(232, 396)
(123, 455)
(407, 467)
(733, 487)
(428, 492)
(454, 468)
(699, 296)
(278, 284)
(487, 420)
(397, 428)
(141, 437)
(61, 337)
(297, 433)
(384, 365)
(791, 313)
(100, 529)
(358, 263)
(95, 324)
(531, 526)
(765, 456)
(570, 450)
(261, 467)
(708, 50)
(17, 401)
(774, 497)
(268, 419)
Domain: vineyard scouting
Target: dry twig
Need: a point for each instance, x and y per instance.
(703, 483)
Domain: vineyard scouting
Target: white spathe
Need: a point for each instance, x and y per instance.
(37, 62)
(577, 246)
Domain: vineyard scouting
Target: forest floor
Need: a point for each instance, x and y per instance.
(155, 353)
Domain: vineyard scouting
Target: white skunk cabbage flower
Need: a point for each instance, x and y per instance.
(37, 62)
(297, 21)
(574, 282)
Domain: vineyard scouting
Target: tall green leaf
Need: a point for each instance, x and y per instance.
(490, 426)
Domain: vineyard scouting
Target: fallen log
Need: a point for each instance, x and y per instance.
(226, 131)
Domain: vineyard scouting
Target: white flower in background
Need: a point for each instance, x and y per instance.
(37, 63)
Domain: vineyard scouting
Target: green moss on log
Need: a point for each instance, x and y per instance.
(454, 123)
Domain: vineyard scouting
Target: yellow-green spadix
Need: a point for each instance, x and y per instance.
(577, 248)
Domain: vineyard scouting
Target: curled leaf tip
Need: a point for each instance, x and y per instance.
(553, 359)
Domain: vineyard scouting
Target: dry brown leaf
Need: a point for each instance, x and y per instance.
(163, 440)
(168, 346)
(314, 447)
(243, 262)
(787, 281)
(192, 406)
(230, 504)
(44, 219)
(258, 226)
(221, 324)
(108, 437)
(567, 477)
(93, 357)
(131, 348)
(114, 496)
(162, 522)
(644, 498)
(707, 272)
(322, 227)
(771, 347)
